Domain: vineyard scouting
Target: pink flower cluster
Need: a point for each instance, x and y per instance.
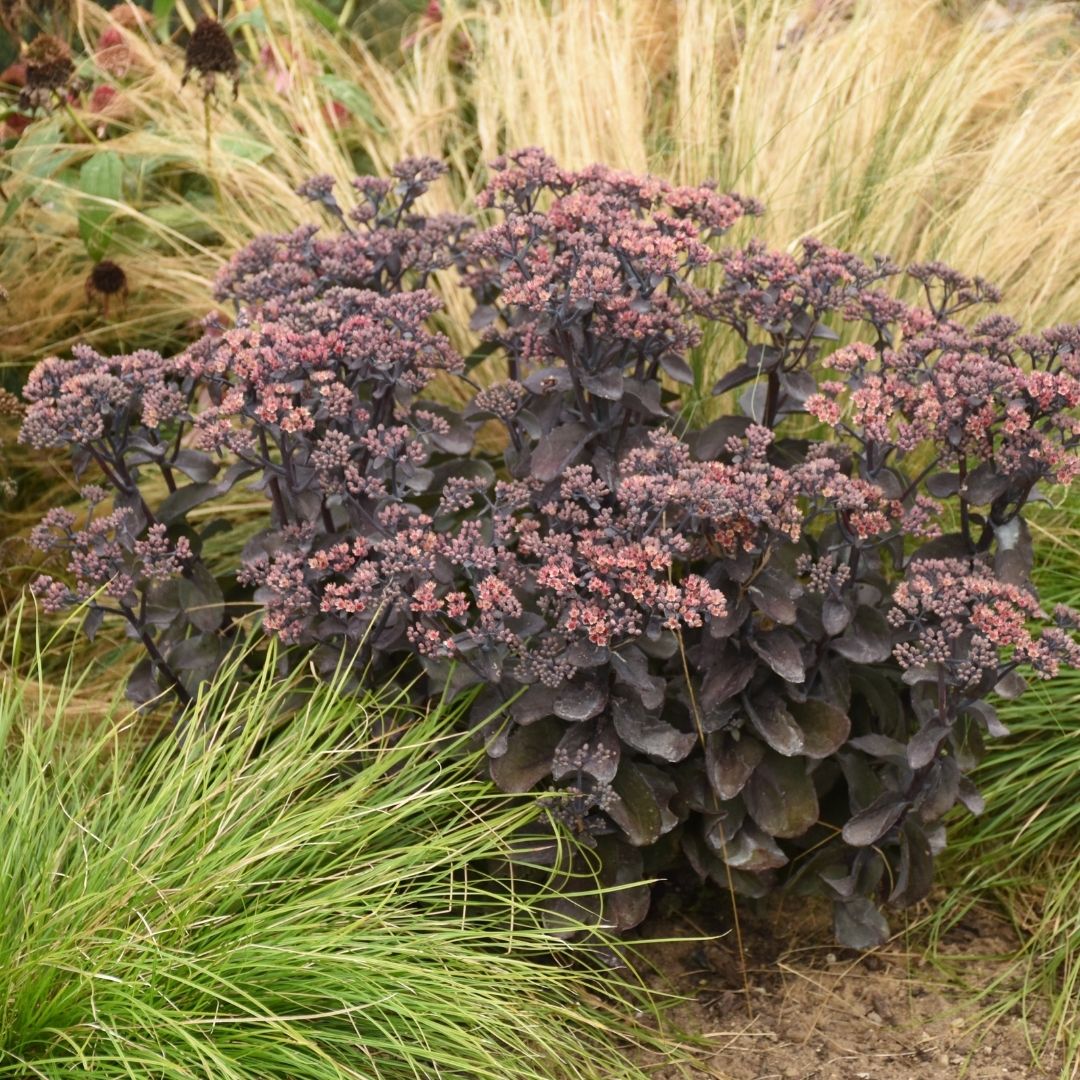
(89, 398)
(965, 392)
(105, 559)
(958, 617)
(603, 271)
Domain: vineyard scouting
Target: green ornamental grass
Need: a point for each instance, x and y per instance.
(294, 886)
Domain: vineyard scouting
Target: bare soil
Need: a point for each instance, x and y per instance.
(800, 1008)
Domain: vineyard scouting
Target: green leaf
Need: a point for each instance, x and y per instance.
(354, 97)
(254, 18)
(163, 10)
(100, 178)
(36, 157)
(321, 14)
(244, 146)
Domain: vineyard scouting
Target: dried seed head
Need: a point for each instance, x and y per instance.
(107, 279)
(49, 70)
(210, 52)
(10, 405)
(105, 282)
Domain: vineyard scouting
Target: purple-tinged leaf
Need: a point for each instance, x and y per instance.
(201, 599)
(730, 675)
(708, 444)
(537, 703)
(645, 396)
(943, 484)
(606, 384)
(631, 668)
(782, 651)
(622, 870)
(675, 367)
(924, 744)
(736, 377)
(178, 503)
(870, 825)
(730, 762)
(970, 796)
(581, 700)
(557, 449)
(752, 850)
(939, 791)
(825, 728)
(636, 810)
(776, 725)
(195, 465)
(857, 924)
(591, 748)
(916, 873)
(720, 826)
(529, 756)
(482, 317)
(774, 594)
(548, 380)
(780, 796)
(984, 485)
(880, 746)
(1010, 686)
(836, 615)
(649, 734)
(868, 640)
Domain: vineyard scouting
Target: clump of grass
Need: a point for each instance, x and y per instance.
(299, 887)
(888, 126)
(1020, 857)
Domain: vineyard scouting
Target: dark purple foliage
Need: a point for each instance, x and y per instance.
(766, 644)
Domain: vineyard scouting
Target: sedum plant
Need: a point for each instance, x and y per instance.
(766, 646)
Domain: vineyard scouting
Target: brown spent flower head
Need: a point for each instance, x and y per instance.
(106, 280)
(210, 52)
(49, 70)
(10, 405)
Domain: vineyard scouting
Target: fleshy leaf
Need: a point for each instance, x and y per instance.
(780, 649)
(650, 734)
(868, 640)
(730, 762)
(636, 811)
(858, 924)
(528, 758)
(557, 449)
(825, 728)
(776, 726)
(870, 825)
(780, 796)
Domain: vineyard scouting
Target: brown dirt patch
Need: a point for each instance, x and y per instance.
(818, 1012)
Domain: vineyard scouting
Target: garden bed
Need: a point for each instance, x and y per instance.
(817, 1012)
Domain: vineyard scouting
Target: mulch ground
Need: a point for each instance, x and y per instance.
(797, 1007)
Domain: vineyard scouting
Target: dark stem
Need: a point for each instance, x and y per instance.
(156, 658)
